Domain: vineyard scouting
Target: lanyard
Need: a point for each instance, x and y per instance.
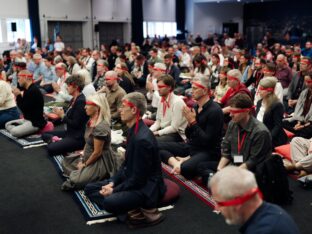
(240, 142)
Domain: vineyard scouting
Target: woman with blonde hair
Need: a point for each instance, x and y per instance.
(126, 80)
(270, 110)
(98, 161)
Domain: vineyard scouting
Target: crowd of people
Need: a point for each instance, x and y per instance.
(200, 106)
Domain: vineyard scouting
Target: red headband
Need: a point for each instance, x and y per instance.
(266, 89)
(163, 86)
(307, 62)
(241, 110)
(308, 81)
(241, 199)
(159, 69)
(199, 85)
(26, 75)
(60, 68)
(91, 103)
(131, 105)
(111, 78)
(232, 78)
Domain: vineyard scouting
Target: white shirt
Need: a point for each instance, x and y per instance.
(59, 46)
(172, 120)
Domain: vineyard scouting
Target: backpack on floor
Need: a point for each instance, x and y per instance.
(272, 180)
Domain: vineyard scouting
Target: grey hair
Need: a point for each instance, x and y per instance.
(236, 73)
(138, 100)
(231, 182)
(85, 74)
(202, 79)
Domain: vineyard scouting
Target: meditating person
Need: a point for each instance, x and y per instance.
(270, 111)
(8, 109)
(170, 123)
(239, 200)
(300, 122)
(74, 119)
(204, 133)
(114, 94)
(301, 156)
(30, 102)
(138, 186)
(98, 160)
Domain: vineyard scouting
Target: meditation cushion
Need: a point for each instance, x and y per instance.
(48, 127)
(148, 122)
(172, 193)
(289, 134)
(284, 150)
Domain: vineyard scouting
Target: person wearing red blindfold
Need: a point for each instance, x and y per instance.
(204, 134)
(247, 141)
(240, 202)
(30, 102)
(270, 110)
(98, 160)
(300, 122)
(138, 186)
(170, 123)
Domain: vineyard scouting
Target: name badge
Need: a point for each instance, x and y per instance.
(238, 159)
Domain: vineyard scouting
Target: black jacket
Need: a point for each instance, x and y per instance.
(31, 104)
(272, 119)
(76, 118)
(141, 171)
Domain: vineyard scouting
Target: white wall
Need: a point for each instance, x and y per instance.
(9, 9)
(209, 17)
(112, 11)
(67, 10)
(159, 10)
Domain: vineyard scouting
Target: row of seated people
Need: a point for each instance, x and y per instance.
(92, 167)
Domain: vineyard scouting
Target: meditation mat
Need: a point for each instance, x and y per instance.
(199, 191)
(25, 142)
(90, 210)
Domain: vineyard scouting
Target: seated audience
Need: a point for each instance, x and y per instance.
(8, 109)
(300, 122)
(170, 122)
(204, 133)
(270, 111)
(98, 160)
(138, 186)
(49, 76)
(114, 93)
(239, 200)
(30, 102)
(75, 118)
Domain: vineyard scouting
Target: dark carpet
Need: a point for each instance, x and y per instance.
(31, 202)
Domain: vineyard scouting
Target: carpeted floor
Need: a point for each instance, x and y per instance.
(31, 202)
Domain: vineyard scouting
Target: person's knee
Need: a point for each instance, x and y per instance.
(188, 170)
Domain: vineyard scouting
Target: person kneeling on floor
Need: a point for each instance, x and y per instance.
(138, 186)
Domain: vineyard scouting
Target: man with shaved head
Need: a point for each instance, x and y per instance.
(114, 93)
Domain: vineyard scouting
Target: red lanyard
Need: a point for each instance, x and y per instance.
(240, 142)
(166, 104)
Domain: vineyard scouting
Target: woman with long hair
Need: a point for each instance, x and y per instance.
(98, 160)
(270, 110)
